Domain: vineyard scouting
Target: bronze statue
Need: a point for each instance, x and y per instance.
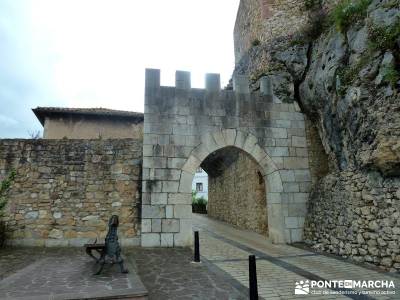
(111, 250)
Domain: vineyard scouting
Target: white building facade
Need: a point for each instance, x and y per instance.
(200, 183)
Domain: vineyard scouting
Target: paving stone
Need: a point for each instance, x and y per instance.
(170, 274)
(62, 273)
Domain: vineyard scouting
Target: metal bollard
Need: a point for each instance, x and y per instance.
(253, 289)
(196, 247)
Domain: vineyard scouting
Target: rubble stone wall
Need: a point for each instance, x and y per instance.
(66, 190)
(265, 20)
(238, 196)
(357, 215)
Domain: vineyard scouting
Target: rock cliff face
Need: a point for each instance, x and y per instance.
(345, 76)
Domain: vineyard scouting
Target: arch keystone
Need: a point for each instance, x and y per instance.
(209, 142)
(240, 139)
(219, 139)
(229, 136)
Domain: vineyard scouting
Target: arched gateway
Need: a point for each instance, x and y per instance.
(182, 126)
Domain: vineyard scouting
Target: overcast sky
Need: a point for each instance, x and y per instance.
(92, 53)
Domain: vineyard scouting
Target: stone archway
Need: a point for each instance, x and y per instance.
(182, 126)
(211, 142)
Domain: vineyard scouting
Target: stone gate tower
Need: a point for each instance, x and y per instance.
(182, 126)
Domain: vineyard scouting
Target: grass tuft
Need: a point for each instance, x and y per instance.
(348, 12)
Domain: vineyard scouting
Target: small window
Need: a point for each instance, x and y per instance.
(199, 170)
(199, 187)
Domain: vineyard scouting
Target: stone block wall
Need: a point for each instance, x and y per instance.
(182, 126)
(237, 196)
(265, 20)
(66, 190)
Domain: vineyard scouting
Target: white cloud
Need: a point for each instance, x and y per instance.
(91, 53)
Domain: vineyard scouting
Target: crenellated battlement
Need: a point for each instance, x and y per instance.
(241, 83)
(183, 80)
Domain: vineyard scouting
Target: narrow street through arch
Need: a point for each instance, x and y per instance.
(227, 248)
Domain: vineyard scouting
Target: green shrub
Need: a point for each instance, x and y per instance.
(201, 201)
(384, 38)
(391, 76)
(348, 74)
(199, 204)
(348, 12)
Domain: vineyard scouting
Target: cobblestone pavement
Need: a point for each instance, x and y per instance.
(280, 266)
(38, 273)
(170, 274)
(13, 259)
